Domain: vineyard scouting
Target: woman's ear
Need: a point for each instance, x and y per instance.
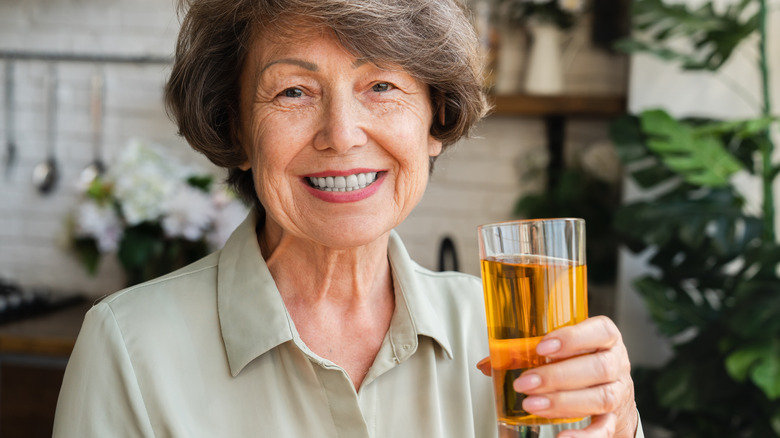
(434, 144)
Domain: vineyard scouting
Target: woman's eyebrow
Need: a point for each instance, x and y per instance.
(299, 62)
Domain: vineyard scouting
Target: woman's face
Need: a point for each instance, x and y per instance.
(339, 148)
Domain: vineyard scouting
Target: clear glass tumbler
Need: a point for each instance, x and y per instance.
(535, 281)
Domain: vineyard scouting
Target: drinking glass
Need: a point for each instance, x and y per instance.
(535, 281)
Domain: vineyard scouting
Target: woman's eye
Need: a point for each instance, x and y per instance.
(381, 86)
(292, 92)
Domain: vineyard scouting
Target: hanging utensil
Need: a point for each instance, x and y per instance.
(10, 140)
(96, 167)
(46, 173)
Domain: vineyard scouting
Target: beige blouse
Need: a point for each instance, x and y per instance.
(210, 351)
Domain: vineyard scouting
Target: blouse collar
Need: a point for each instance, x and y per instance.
(253, 318)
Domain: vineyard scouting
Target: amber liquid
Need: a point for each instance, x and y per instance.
(525, 298)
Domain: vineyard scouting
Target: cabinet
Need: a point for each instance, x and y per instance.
(33, 355)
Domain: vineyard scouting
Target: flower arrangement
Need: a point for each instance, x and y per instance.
(154, 213)
(561, 13)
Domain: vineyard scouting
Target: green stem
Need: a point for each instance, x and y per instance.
(766, 152)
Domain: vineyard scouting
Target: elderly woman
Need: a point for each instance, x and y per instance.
(312, 321)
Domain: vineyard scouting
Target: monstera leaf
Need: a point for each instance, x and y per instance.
(712, 35)
(713, 287)
(760, 362)
(640, 163)
(698, 157)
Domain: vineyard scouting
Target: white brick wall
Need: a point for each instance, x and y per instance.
(475, 182)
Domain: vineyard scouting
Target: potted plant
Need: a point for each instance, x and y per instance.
(541, 23)
(714, 289)
(559, 13)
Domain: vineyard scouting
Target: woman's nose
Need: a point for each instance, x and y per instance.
(343, 125)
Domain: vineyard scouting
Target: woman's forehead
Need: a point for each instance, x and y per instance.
(268, 44)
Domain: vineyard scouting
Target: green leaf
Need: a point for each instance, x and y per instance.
(686, 382)
(701, 160)
(766, 375)
(652, 175)
(775, 422)
(739, 362)
(758, 309)
(673, 311)
(674, 388)
(672, 218)
(627, 135)
(759, 362)
(643, 167)
(712, 36)
(88, 253)
(99, 191)
(202, 182)
(140, 244)
(742, 128)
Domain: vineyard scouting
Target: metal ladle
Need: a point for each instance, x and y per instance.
(96, 167)
(10, 140)
(46, 173)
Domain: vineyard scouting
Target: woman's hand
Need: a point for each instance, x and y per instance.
(591, 375)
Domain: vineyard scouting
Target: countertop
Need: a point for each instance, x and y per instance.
(52, 334)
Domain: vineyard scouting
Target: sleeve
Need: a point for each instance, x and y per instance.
(100, 395)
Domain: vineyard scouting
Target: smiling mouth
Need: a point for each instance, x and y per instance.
(346, 183)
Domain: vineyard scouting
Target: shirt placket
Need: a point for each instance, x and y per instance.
(343, 401)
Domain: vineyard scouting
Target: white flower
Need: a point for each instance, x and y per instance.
(188, 214)
(100, 223)
(230, 213)
(145, 181)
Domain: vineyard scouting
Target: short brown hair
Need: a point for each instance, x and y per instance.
(432, 40)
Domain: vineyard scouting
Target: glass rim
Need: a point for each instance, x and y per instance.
(526, 221)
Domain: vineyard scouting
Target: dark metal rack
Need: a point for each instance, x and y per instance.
(19, 55)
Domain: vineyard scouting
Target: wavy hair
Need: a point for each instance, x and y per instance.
(432, 40)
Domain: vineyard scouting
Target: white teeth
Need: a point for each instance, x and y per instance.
(343, 183)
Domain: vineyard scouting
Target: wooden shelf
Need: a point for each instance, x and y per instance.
(559, 105)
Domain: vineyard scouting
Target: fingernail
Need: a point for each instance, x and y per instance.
(548, 346)
(536, 403)
(527, 382)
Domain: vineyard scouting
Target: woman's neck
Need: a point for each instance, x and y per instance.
(305, 270)
(341, 300)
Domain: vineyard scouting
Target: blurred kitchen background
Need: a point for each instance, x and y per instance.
(83, 80)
